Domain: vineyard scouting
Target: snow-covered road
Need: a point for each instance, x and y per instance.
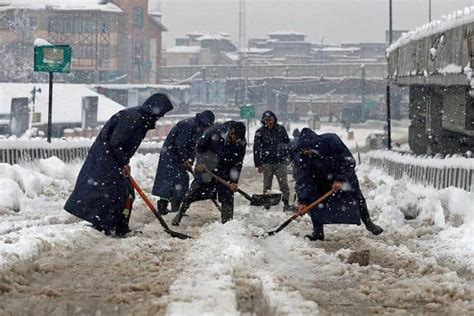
(53, 264)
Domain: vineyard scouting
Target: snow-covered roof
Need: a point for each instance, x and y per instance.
(213, 37)
(286, 33)
(82, 5)
(67, 101)
(184, 49)
(337, 49)
(256, 50)
(143, 86)
(156, 18)
(232, 56)
(447, 22)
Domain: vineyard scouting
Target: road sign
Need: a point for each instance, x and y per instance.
(36, 117)
(54, 58)
(247, 111)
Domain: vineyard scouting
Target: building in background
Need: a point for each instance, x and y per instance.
(201, 49)
(112, 41)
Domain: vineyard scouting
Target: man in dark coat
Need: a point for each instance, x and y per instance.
(268, 139)
(324, 162)
(221, 150)
(177, 157)
(103, 194)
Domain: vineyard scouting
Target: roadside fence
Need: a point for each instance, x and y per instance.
(437, 172)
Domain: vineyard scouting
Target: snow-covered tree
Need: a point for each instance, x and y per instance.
(16, 62)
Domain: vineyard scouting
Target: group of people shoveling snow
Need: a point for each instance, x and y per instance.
(214, 154)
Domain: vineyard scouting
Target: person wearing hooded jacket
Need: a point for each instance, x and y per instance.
(325, 163)
(267, 159)
(177, 157)
(103, 194)
(221, 150)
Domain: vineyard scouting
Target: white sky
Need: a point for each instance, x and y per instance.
(339, 21)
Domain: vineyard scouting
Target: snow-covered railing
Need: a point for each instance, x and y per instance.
(14, 151)
(436, 172)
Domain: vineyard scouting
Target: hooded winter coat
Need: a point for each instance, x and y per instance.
(331, 160)
(267, 141)
(172, 180)
(219, 154)
(101, 188)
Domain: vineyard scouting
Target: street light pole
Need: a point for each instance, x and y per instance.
(389, 123)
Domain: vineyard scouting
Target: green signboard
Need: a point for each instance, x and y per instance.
(54, 58)
(247, 111)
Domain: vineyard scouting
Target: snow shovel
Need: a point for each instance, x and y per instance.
(298, 214)
(154, 211)
(255, 199)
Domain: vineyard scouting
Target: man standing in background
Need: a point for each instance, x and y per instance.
(267, 159)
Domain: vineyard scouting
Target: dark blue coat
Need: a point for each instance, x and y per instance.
(172, 180)
(331, 160)
(219, 155)
(101, 188)
(267, 141)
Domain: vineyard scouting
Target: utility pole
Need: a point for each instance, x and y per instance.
(364, 112)
(321, 55)
(243, 45)
(389, 122)
(429, 11)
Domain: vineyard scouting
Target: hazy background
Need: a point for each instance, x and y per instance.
(339, 21)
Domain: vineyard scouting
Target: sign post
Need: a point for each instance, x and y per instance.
(51, 59)
(247, 112)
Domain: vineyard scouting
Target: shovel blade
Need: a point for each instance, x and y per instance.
(177, 235)
(265, 199)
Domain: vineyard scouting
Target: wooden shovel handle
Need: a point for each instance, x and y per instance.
(215, 176)
(148, 202)
(318, 201)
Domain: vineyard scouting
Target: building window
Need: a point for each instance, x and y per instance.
(33, 21)
(84, 52)
(105, 28)
(68, 25)
(104, 56)
(85, 25)
(139, 18)
(3, 22)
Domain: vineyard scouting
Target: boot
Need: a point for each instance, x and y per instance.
(161, 206)
(177, 219)
(369, 225)
(318, 233)
(227, 213)
(287, 207)
(175, 206)
(374, 229)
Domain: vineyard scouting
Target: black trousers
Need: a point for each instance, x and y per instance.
(204, 190)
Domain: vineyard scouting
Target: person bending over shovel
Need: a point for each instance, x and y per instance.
(177, 157)
(221, 150)
(323, 163)
(103, 194)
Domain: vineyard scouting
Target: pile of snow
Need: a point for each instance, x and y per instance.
(26, 182)
(448, 209)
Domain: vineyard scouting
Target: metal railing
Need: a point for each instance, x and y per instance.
(67, 151)
(441, 175)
